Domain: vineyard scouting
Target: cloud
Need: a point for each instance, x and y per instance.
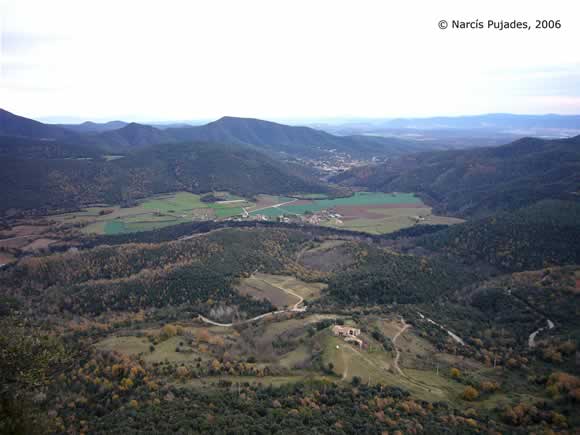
(182, 59)
(21, 43)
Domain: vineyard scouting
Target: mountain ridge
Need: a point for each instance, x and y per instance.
(271, 137)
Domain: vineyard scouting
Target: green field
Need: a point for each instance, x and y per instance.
(177, 202)
(361, 211)
(358, 199)
(155, 212)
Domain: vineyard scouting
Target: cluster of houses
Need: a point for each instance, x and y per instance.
(311, 218)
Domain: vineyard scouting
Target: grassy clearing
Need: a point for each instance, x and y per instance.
(377, 367)
(176, 202)
(349, 361)
(229, 211)
(262, 286)
(308, 290)
(260, 289)
(164, 351)
(297, 356)
(129, 345)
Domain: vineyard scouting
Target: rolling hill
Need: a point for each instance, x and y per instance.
(481, 181)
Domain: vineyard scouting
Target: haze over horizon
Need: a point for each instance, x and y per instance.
(151, 61)
(333, 120)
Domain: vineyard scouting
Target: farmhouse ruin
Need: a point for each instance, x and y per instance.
(345, 331)
(349, 334)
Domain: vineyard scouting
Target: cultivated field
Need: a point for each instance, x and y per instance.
(371, 212)
(155, 212)
(282, 291)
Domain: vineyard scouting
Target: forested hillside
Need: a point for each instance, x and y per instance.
(541, 235)
(15, 147)
(197, 168)
(197, 274)
(18, 126)
(132, 136)
(482, 181)
(387, 277)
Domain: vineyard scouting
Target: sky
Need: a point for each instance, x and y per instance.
(279, 59)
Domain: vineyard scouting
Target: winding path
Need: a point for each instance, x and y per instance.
(532, 339)
(451, 334)
(416, 383)
(549, 323)
(294, 309)
(398, 353)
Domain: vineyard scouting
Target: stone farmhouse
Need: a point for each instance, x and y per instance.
(348, 334)
(345, 331)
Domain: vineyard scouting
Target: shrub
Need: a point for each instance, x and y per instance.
(168, 331)
(470, 394)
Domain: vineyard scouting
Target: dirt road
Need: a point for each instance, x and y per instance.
(295, 308)
(532, 338)
(397, 352)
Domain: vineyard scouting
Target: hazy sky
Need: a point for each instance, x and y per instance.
(277, 59)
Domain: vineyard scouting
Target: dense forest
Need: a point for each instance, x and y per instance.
(541, 235)
(26, 148)
(70, 183)
(386, 277)
(197, 274)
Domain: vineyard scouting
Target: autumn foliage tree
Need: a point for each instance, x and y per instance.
(470, 393)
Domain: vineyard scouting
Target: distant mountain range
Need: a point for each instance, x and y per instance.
(493, 121)
(489, 121)
(481, 181)
(94, 127)
(262, 135)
